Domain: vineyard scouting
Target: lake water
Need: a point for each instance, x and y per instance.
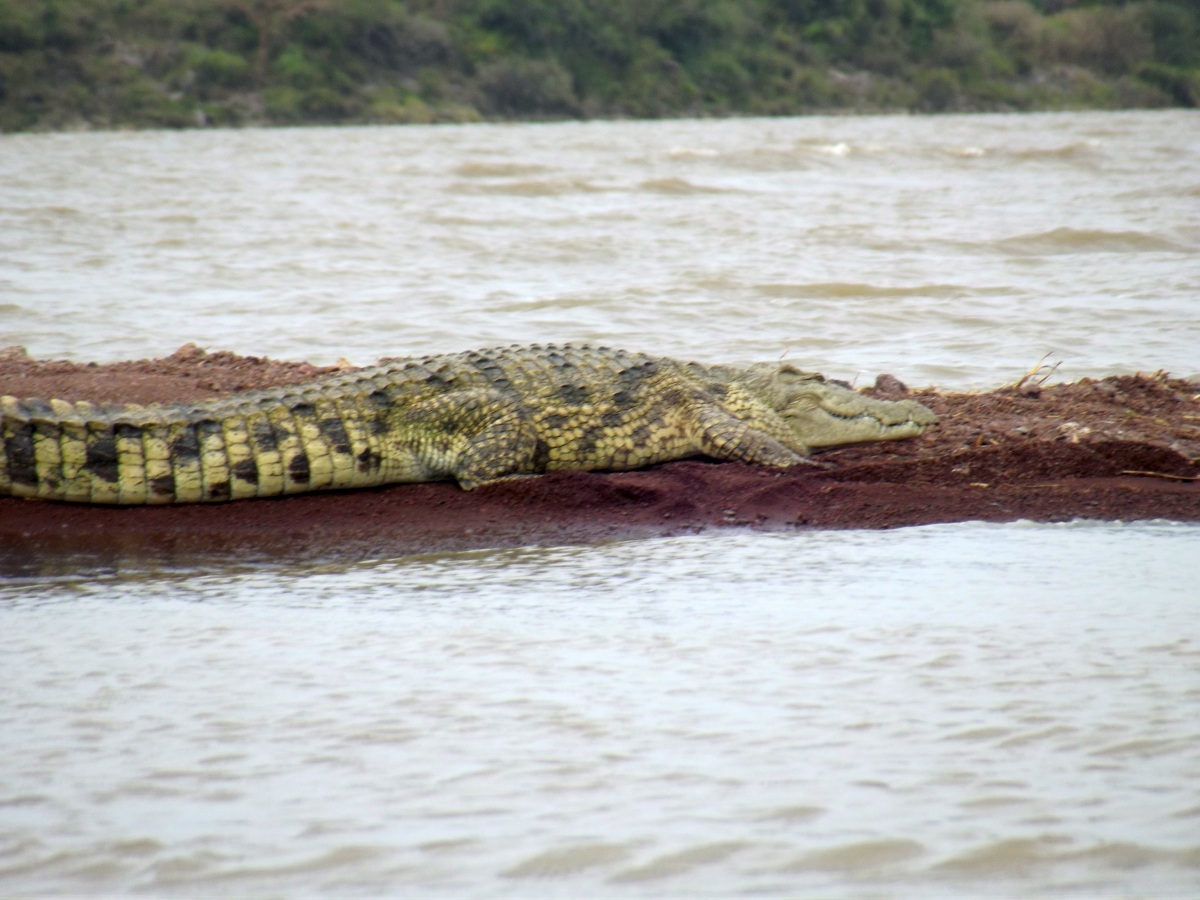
(970, 709)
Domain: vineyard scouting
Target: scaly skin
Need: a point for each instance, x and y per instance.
(475, 418)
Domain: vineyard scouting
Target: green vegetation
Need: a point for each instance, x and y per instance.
(182, 63)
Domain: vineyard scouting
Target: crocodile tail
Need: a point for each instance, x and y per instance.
(252, 445)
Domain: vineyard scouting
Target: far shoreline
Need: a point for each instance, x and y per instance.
(85, 128)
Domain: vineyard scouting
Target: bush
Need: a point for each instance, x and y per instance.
(142, 100)
(282, 103)
(326, 105)
(1181, 85)
(528, 87)
(19, 29)
(416, 43)
(219, 68)
(1105, 39)
(938, 91)
(1174, 32)
(1016, 30)
(296, 69)
(390, 106)
(726, 84)
(687, 29)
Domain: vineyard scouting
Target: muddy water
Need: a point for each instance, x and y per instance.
(952, 251)
(945, 711)
(982, 710)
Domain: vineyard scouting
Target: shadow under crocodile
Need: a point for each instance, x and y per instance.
(1046, 482)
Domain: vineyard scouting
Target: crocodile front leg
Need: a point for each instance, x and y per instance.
(724, 436)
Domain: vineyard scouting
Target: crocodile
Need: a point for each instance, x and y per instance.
(475, 418)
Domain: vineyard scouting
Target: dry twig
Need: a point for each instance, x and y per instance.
(1041, 364)
(1161, 475)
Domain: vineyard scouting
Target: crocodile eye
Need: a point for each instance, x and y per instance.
(800, 403)
(790, 373)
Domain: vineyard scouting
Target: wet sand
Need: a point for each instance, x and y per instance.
(1118, 448)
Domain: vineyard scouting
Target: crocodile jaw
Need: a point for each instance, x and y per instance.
(832, 424)
(821, 414)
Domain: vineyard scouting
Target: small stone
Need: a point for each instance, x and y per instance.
(891, 385)
(188, 351)
(14, 352)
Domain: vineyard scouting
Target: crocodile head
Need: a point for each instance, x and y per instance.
(822, 414)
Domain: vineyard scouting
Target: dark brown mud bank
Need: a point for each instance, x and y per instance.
(1121, 448)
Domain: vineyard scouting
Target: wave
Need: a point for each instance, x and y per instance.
(1013, 855)
(1076, 240)
(1005, 857)
(860, 857)
(836, 289)
(568, 860)
(964, 152)
(692, 153)
(679, 186)
(45, 213)
(1074, 151)
(826, 147)
(497, 170)
(841, 148)
(529, 188)
(550, 187)
(681, 861)
(803, 156)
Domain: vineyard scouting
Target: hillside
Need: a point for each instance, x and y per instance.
(182, 63)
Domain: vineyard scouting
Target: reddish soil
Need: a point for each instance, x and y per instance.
(1120, 448)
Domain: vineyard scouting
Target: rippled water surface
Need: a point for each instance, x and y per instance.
(998, 709)
(973, 710)
(955, 251)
